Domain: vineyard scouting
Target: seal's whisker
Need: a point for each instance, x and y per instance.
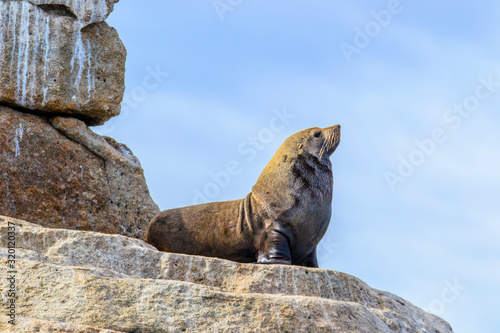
(329, 142)
(334, 138)
(322, 150)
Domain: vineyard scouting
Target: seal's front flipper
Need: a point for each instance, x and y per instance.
(310, 261)
(275, 247)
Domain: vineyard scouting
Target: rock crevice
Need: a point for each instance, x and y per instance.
(103, 147)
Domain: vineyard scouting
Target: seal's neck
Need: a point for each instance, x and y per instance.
(288, 179)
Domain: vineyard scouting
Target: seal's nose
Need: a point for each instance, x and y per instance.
(333, 128)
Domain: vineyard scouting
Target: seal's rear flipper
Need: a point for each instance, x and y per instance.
(275, 247)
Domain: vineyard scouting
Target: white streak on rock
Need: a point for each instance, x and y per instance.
(3, 19)
(23, 60)
(90, 77)
(92, 10)
(14, 8)
(18, 138)
(82, 57)
(38, 43)
(46, 34)
(20, 130)
(28, 40)
(78, 55)
(17, 151)
(23, 40)
(76, 5)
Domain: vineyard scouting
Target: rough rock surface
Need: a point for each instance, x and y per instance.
(57, 172)
(26, 325)
(86, 11)
(51, 63)
(123, 284)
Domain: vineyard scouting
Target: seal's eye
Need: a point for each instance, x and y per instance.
(317, 134)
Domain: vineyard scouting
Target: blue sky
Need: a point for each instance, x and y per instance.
(418, 103)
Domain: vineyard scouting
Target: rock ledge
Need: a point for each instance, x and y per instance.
(77, 281)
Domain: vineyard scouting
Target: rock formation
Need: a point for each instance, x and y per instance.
(77, 278)
(62, 69)
(53, 62)
(86, 11)
(57, 172)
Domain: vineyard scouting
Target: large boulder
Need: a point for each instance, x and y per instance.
(123, 284)
(53, 63)
(57, 172)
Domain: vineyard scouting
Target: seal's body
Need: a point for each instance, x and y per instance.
(281, 221)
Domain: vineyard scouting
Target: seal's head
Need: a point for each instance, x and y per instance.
(300, 169)
(317, 142)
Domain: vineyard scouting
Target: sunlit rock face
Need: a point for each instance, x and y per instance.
(57, 172)
(123, 284)
(53, 62)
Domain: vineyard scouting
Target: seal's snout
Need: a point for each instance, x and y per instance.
(335, 128)
(332, 140)
(333, 131)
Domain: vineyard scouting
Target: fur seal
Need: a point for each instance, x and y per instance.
(280, 222)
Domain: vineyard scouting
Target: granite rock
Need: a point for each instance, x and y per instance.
(57, 172)
(52, 63)
(123, 284)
